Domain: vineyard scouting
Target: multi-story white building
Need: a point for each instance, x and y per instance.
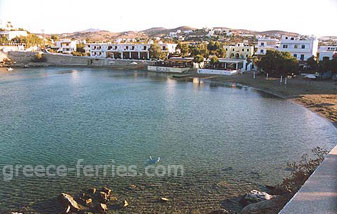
(327, 52)
(301, 48)
(12, 34)
(265, 43)
(125, 51)
(239, 50)
(66, 46)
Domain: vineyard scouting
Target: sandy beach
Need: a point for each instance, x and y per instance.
(318, 96)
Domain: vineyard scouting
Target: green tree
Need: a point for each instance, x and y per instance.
(313, 64)
(200, 49)
(184, 49)
(221, 52)
(324, 65)
(156, 52)
(198, 59)
(3, 40)
(30, 40)
(278, 63)
(54, 37)
(214, 61)
(333, 65)
(80, 48)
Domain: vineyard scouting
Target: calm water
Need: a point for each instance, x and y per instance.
(234, 135)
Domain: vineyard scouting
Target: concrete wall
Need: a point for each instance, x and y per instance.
(319, 192)
(167, 69)
(217, 72)
(26, 58)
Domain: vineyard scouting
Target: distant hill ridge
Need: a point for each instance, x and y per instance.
(104, 35)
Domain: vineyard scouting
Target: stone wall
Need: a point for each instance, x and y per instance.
(22, 59)
(167, 69)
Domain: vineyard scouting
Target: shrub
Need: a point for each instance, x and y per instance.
(39, 57)
(302, 170)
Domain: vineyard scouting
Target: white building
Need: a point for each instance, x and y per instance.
(327, 52)
(66, 46)
(125, 51)
(12, 34)
(228, 67)
(301, 48)
(239, 51)
(265, 43)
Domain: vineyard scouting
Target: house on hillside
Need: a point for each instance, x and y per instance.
(327, 52)
(239, 51)
(300, 47)
(66, 46)
(266, 43)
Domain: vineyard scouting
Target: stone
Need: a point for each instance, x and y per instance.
(164, 199)
(103, 196)
(107, 191)
(67, 200)
(222, 211)
(125, 203)
(113, 198)
(255, 196)
(92, 191)
(88, 201)
(101, 207)
(265, 206)
(133, 186)
(67, 209)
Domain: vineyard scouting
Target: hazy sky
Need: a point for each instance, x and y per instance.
(318, 17)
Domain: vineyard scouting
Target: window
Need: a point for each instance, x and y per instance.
(295, 46)
(302, 57)
(144, 48)
(303, 46)
(295, 55)
(286, 37)
(262, 43)
(261, 51)
(247, 49)
(285, 46)
(292, 38)
(243, 49)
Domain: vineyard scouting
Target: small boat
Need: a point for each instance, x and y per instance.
(153, 160)
(10, 69)
(134, 63)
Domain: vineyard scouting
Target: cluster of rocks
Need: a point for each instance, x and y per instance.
(93, 200)
(6, 62)
(256, 202)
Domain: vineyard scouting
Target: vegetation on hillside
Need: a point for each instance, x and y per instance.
(30, 40)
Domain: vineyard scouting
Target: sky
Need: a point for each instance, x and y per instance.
(310, 17)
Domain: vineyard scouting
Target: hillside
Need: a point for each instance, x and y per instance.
(160, 31)
(97, 35)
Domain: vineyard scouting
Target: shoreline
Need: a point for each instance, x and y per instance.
(323, 102)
